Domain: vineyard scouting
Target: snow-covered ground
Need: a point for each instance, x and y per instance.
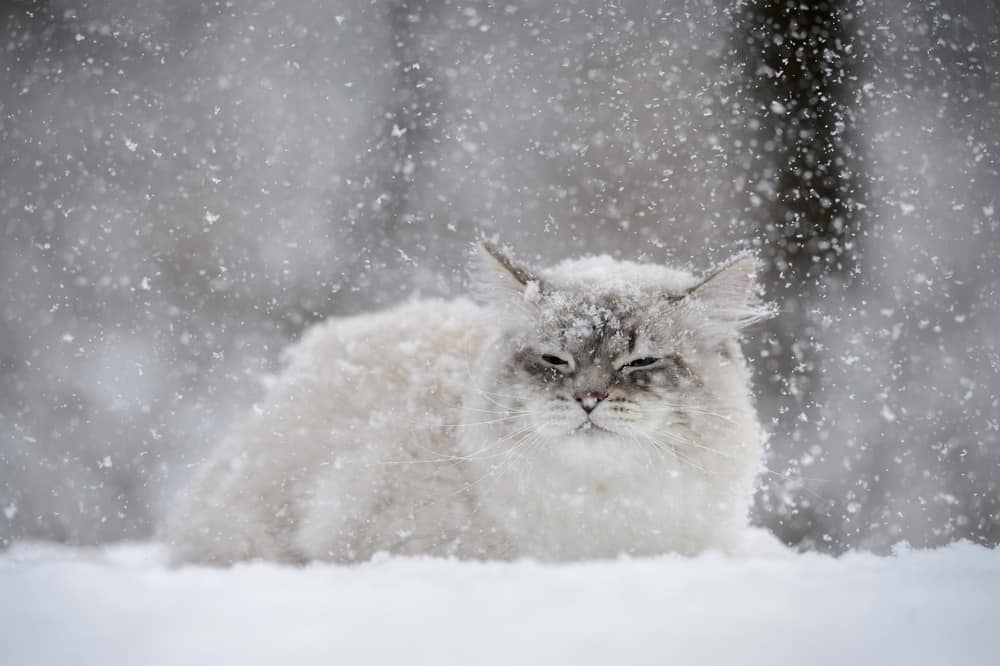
(122, 606)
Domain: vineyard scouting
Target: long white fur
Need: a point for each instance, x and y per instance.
(388, 432)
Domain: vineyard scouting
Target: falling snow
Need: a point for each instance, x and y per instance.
(185, 187)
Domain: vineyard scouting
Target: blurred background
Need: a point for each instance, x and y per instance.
(186, 185)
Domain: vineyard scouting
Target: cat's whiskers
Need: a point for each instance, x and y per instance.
(481, 391)
(527, 430)
(672, 407)
(493, 396)
(676, 451)
(798, 477)
(520, 451)
(505, 410)
(527, 455)
(494, 471)
(519, 454)
(658, 446)
(511, 457)
(502, 419)
(690, 442)
(499, 404)
(630, 432)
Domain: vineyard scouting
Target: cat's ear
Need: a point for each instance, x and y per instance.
(499, 277)
(729, 295)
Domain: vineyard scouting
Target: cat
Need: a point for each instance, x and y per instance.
(593, 409)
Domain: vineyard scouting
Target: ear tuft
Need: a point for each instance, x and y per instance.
(505, 266)
(729, 294)
(498, 277)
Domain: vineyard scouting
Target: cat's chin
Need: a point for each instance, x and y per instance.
(595, 448)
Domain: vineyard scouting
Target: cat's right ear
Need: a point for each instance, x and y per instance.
(729, 298)
(497, 277)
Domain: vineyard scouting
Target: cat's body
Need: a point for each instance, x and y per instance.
(595, 409)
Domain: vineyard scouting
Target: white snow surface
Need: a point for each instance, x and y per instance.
(120, 605)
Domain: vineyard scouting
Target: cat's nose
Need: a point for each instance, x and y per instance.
(589, 399)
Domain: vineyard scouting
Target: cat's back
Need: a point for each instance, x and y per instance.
(420, 353)
(350, 379)
(355, 392)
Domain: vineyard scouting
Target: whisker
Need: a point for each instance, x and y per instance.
(691, 442)
(511, 435)
(669, 407)
(491, 411)
(493, 470)
(512, 457)
(477, 423)
(493, 400)
(646, 447)
(679, 454)
(499, 395)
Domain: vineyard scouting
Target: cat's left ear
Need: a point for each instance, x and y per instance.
(498, 277)
(729, 295)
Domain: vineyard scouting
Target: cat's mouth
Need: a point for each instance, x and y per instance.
(588, 427)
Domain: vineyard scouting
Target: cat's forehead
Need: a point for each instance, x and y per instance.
(603, 274)
(595, 323)
(600, 305)
(571, 309)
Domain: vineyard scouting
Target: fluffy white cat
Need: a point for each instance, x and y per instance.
(592, 409)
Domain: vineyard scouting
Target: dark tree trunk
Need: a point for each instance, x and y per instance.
(804, 192)
(800, 66)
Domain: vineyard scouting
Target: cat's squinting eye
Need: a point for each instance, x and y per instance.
(640, 363)
(554, 360)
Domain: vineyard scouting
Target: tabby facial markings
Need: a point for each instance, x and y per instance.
(609, 334)
(673, 374)
(641, 386)
(528, 361)
(595, 354)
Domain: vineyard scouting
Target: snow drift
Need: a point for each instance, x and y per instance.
(122, 606)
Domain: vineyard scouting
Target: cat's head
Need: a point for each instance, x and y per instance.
(599, 350)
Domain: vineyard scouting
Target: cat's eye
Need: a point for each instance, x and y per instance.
(554, 360)
(640, 362)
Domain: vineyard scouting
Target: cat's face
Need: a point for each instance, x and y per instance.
(586, 369)
(614, 362)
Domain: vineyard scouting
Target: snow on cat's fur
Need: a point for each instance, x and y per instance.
(596, 408)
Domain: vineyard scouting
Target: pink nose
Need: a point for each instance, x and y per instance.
(589, 399)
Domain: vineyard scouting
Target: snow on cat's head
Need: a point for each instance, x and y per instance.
(612, 359)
